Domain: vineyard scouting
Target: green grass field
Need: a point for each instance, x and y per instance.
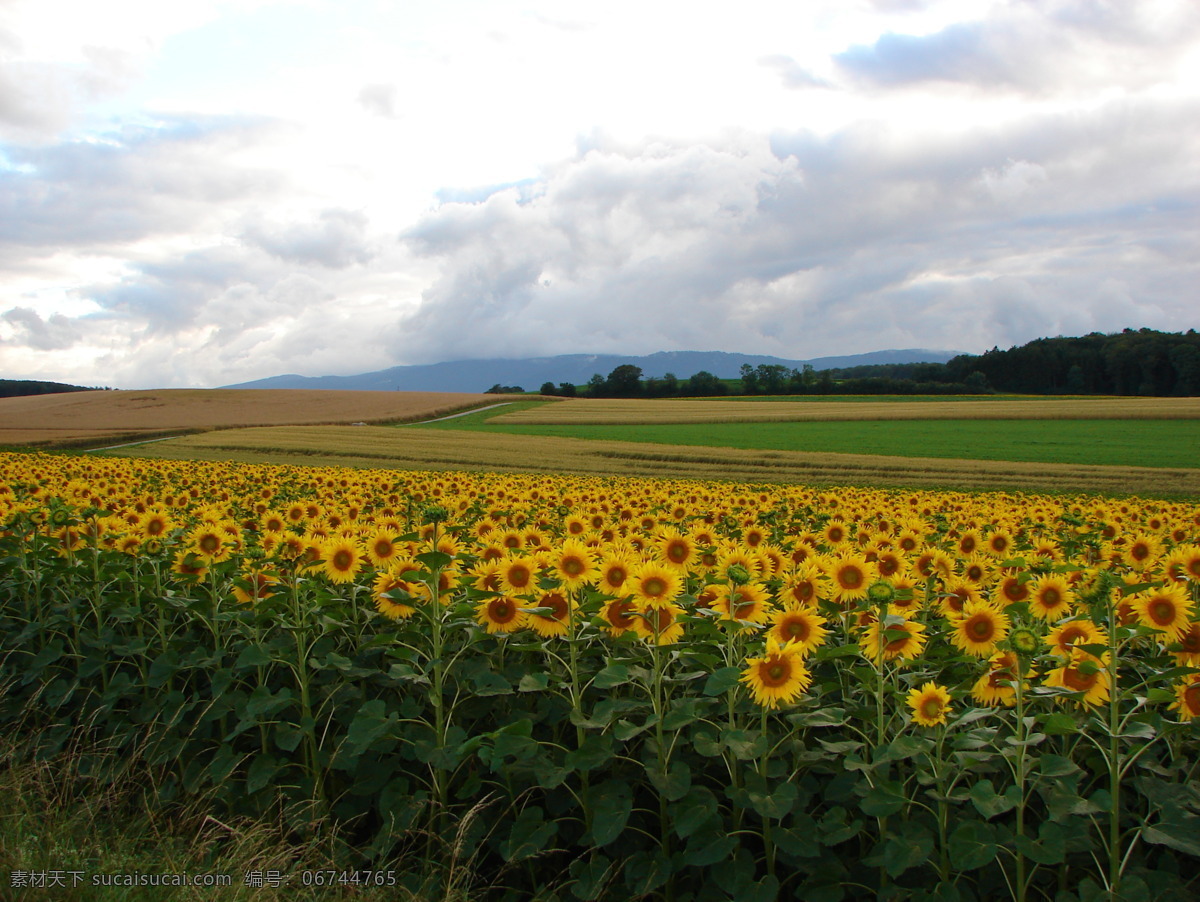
(1143, 443)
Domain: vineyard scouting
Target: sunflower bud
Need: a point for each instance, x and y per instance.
(435, 513)
(738, 575)
(881, 593)
(1024, 641)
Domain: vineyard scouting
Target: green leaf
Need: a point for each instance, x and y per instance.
(434, 560)
(529, 834)
(595, 752)
(646, 871)
(262, 770)
(533, 682)
(721, 681)
(709, 848)
(683, 711)
(371, 722)
(692, 811)
(1056, 766)
(611, 802)
(744, 744)
(884, 799)
(1050, 847)
(591, 876)
(971, 845)
(263, 704)
(770, 802)
(1058, 724)
(988, 803)
(610, 676)
(674, 784)
(252, 656)
(908, 850)
(1181, 840)
(487, 684)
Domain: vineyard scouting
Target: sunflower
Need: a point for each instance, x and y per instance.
(619, 616)
(805, 585)
(956, 594)
(800, 625)
(390, 591)
(1066, 638)
(615, 570)
(557, 621)
(573, 564)
(977, 568)
(254, 585)
(1083, 673)
(381, 548)
(1050, 597)
(1141, 551)
(778, 676)
(896, 639)
(518, 574)
(655, 584)
(850, 577)
(1167, 609)
(998, 543)
(189, 566)
(748, 603)
(341, 559)
(1013, 588)
(1187, 652)
(501, 614)
(978, 628)
(210, 543)
(1187, 697)
(659, 623)
(674, 548)
(929, 705)
(996, 687)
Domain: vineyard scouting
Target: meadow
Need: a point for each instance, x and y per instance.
(600, 687)
(93, 418)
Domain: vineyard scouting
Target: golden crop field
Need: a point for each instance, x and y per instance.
(76, 418)
(367, 446)
(577, 411)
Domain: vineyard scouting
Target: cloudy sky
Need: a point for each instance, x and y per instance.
(201, 193)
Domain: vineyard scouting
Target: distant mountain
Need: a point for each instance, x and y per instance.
(530, 373)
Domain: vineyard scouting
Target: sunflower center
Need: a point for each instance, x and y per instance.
(654, 586)
(850, 577)
(209, 543)
(502, 610)
(518, 575)
(572, 566)
(775, 672)
(981, 628)
(1161, 611)
(1191, 699)
(1075, 679)
(1140, 551)
(797, 629)
(616, 576)
(1069, 637)
(342, 560)
(1014, 591)
(931, 708)
(677, 552)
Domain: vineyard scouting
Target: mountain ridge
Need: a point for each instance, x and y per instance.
(530, 373)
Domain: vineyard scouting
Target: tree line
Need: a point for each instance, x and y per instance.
(1141, 362)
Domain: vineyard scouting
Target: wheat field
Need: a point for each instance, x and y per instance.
(580, 411)
(369, 446)
(75, 419)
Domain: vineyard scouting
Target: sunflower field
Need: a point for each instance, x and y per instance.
(612, 688)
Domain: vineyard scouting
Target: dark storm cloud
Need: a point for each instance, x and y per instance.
(336, 239)
(1034, 48)
(868, 238)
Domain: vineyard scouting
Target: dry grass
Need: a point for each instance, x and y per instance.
(579, 411)
(463, 450)
(76, 419)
